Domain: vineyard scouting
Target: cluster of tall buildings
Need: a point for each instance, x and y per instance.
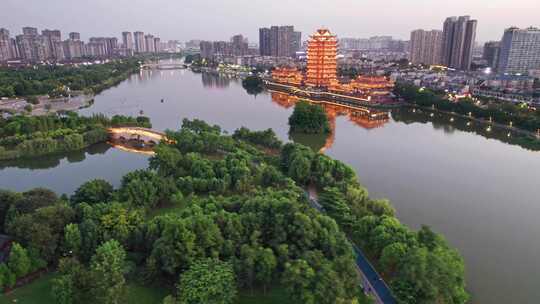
(452, 47)
(376, 43)
(237, 46)
(32, 46)
(518, 52)
(279, 41)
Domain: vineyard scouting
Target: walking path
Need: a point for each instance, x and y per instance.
(372, 282)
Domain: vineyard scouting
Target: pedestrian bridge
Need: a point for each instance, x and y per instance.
(143, 135)
(163, 66)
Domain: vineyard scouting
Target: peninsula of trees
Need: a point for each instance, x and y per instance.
(217, 215)
(30, 136)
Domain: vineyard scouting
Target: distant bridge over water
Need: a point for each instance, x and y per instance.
(163, 66)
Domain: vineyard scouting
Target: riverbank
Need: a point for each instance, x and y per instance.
(34, 136)
(505, 114)
(46, 105)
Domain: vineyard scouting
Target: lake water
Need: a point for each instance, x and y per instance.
(481, 193)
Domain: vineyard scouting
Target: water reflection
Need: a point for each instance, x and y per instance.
(52, 161)
(210, 80)
(322, 142)
(449, 124)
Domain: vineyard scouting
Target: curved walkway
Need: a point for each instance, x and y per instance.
(372, 282)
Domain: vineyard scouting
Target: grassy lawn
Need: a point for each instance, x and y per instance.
(139, 294)
(276, 295)
(38, 291)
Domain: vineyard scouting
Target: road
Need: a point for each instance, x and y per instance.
(372, 282)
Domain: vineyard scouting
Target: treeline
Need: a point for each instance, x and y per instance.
(28, 136)
(231, 216)
(420, 265)
(499, 112)
(54, 80)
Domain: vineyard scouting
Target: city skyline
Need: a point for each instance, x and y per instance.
(198, 19)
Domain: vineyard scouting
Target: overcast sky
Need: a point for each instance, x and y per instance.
(220, 19)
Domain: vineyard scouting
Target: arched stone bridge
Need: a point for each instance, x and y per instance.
(148, 136)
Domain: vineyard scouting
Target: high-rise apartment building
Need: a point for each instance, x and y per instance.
(265, 42)
(74, 36)
(520, 50)
(284, 43)
(157, 45)
(491, 53)
(5, 48)
(459, 36)
(30, 31)
(279, 41)
(127, 40)
(207, 49)
(322, 59)
(139, 42)
(32, 47)
(296, 43)
(149, 43)
(425, 47)
(74, 49)
(51, 38)
(239, 45)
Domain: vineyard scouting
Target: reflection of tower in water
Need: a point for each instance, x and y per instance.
(358, 116)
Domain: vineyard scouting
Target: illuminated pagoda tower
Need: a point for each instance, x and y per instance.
(321, 59)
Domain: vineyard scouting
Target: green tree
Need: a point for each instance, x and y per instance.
(107, 268)
(93, 192)
(72, 239)
(265, 266)
(7, 277)
(297, 280)
(62, 290)
(18, 260)
(209, 282)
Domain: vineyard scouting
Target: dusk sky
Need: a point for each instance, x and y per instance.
(219, 20)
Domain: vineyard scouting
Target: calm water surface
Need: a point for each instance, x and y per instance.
(481, 193)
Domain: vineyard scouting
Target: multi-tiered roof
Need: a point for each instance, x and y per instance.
(321, 59)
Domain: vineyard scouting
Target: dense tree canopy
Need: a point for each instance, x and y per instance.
(216, 212)
(309, 118)
(54, 80)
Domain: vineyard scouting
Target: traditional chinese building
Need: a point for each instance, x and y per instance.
(321, 75)
(287, 75)
(322, 59)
